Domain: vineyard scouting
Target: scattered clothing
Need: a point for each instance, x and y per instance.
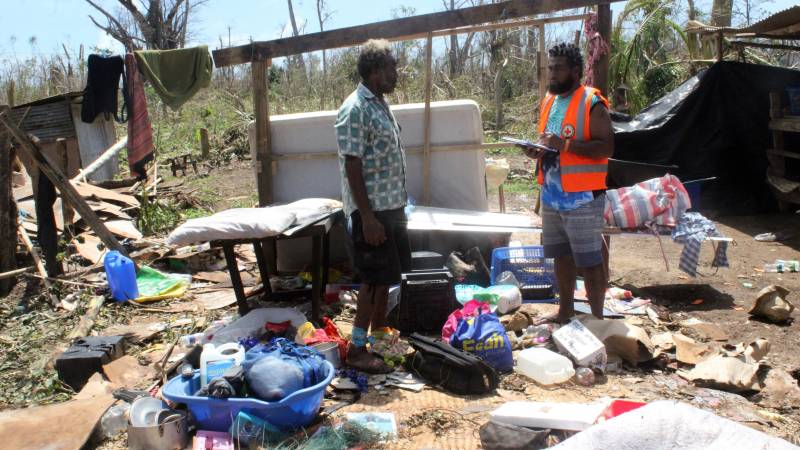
(367, 129)
(176, 75)
(102, 82)
(140, 132)
(658, 201)
(691, 231)
(230, 384)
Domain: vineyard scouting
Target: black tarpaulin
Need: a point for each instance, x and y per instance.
(714, 125)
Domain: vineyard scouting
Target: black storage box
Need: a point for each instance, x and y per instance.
(426, 300)
(426, 261)
(87, 356)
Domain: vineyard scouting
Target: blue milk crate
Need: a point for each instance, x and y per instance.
(535, 273)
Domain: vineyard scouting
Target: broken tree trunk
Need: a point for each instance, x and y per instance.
(68, 192)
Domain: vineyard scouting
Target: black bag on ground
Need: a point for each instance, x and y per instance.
(450, 368)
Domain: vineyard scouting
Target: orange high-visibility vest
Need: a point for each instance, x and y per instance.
(578, 173)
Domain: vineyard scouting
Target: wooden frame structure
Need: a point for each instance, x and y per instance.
(477, 18)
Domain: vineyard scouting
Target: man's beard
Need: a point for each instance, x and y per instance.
(561, 88)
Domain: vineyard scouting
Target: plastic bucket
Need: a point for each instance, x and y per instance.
(121, 276)
(294, 411)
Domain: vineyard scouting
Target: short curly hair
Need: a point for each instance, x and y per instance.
(375, 54)
(569, 51)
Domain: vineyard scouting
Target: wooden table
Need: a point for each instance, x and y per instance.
(318, 230)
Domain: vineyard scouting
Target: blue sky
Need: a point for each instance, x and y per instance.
(53, 22)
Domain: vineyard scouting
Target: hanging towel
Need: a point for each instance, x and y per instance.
(102, 83)
(176, 75)
(140, 133)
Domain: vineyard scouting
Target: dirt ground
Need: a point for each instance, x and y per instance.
(636, 264)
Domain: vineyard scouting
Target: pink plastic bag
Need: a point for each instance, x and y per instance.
(470, 309)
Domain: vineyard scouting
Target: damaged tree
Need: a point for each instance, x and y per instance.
(156, 25)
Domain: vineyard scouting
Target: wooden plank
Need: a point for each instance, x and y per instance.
(37, 261)
(343, 37)
(67, 190)
(263, 141)
(784, 153)
(600, 69)
(494, 26)
(8, 215)
(426, 148)
(765, 45)
(90, 191)
(790, 124)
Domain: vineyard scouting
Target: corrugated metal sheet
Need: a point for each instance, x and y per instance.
(781, 25)
(47, 119)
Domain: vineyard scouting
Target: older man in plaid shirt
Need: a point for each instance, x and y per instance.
(373, 169)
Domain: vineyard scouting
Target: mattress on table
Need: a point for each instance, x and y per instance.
(457, 178)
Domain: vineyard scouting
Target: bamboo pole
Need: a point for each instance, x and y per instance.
(426, 152)
(105, 156)
(542, 66)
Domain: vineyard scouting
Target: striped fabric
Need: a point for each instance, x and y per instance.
(659, 201)
(140, 132)
(691, 231)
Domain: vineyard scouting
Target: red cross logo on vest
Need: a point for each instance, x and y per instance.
(568, 131)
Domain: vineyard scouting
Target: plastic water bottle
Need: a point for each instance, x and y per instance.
(790, 265)
(121, 276)
(584, 376)
(773, 268)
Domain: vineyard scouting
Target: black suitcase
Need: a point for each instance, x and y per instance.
(426, 300)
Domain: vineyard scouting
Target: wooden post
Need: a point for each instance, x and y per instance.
(501, 198)
(65, 187)
(8, 216)
(263, 141)
(426, 153)
(600, 68)
(541, 67)
(67, 213)
(777, 163)
(719, 46)
(204, 144)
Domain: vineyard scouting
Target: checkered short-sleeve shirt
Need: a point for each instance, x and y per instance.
(367, 129)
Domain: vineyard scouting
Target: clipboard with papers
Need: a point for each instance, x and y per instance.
(529, 144)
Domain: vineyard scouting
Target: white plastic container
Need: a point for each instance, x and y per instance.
(544, 366)
(584, 347)
(215, 360)
(510, 297)
(557, 416)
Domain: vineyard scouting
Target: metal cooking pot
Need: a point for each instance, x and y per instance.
(171, 434)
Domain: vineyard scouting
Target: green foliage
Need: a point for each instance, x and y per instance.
(156, 216)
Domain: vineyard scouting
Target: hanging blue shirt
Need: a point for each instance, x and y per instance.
(553, 195)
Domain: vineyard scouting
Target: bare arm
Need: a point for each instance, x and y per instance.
(374, 234)
(600, 146)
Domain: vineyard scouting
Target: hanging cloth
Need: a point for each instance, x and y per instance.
(100, 95)
(176, 75)
(140, 132)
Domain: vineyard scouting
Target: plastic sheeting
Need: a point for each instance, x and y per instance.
(668, 425)
(713, 125)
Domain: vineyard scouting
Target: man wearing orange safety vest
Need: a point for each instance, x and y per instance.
(574, 122)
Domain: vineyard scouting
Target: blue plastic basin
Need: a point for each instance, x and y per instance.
(296, 410)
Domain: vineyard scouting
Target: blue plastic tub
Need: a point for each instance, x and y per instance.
(296, 410)
(535, 273)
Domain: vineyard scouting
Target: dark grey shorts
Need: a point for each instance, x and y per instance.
(578, 232)
(380, 265)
